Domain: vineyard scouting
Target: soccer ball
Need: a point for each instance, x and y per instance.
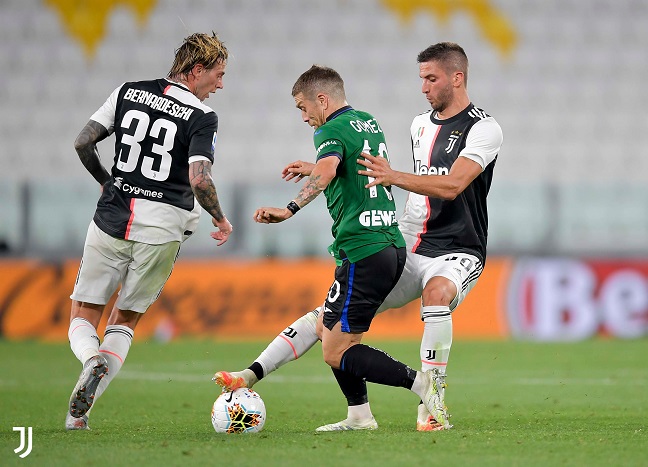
(240, 411)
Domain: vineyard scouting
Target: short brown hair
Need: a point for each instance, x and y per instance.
(451, 56)
(198, 48)
(320, 79)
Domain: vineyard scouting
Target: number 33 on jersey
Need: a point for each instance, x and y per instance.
(160, 127)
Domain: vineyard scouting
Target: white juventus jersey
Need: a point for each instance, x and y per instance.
(433, 226)
(160, 127)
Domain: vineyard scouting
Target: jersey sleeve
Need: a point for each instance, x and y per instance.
(327, 144)
(106, 113)
(203, 138)
(483, 142)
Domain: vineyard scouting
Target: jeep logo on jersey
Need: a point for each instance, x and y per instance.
(420, 169)
(375, 218)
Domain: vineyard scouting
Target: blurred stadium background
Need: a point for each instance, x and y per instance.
(569, 202)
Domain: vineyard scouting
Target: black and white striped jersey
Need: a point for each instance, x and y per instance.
(433, 226)
(160, 127)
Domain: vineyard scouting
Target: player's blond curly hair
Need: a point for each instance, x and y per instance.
(197, 49)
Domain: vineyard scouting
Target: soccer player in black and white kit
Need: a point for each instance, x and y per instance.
(445, 224)
(164, 151)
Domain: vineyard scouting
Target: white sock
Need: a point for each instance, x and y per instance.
(359, 412)
(437, 338)
(115, 347)
(291, 344)
(419, 384)
(84, 340)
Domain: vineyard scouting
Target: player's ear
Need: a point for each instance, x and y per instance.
(198, 69)
(458, 78)
(323, 100)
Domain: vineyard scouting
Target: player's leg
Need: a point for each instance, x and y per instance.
(84, 343)
(354, 289)
(98, 277)
(448, 279)
(289, 345)
(82, 333)
(145, 277)
(351, 304)
(407, 288)
(376, 366)
(143, 270)
(354, 388)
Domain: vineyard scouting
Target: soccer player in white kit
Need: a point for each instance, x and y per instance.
(445, 225)
(164, 151)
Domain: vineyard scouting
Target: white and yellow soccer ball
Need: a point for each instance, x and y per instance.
(239, 411)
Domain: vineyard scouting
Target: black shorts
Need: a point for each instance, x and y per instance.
(359, 289)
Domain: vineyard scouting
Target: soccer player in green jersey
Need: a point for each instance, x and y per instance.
(368, 247)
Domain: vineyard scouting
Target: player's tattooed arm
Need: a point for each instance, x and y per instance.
(203, 188)
(311, 190)
(86, 147)
(320, 177)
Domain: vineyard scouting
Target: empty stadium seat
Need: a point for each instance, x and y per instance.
(570, 97)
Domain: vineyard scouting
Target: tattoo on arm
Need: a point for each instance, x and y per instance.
(86, 148)
(309, 191)
(203, 187)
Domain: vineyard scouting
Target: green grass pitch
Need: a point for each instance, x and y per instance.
(517, 404)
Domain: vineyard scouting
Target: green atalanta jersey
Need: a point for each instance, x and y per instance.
(364, 219)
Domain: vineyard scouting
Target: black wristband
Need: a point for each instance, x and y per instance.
(293, 207)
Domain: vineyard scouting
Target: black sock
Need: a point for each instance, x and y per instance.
(353, 388)
(258, 370)
(376, 366)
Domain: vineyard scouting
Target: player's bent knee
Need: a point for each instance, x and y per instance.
(439, 293)
(436, 297)
(332, 358)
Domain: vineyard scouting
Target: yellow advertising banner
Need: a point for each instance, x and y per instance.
(229, 299)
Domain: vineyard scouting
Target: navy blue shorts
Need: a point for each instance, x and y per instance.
(359, 289)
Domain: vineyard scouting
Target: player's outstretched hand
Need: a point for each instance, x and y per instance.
(224, 230)
(378, 169)
(297, 170)
(271, 215)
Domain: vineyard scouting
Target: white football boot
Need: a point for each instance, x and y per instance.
(433, 401)
(349, 425)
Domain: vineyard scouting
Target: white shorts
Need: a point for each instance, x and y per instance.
(461, 268)
(140, 268)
